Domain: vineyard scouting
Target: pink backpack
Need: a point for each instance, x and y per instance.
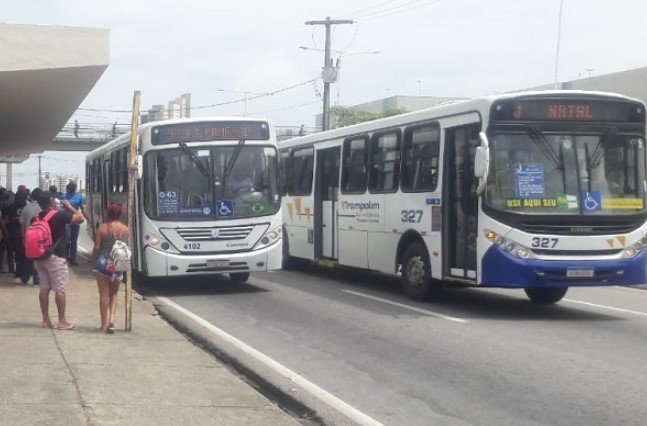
(38, 238)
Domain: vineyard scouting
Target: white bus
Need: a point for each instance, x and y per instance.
(207, 199)
(536, 190)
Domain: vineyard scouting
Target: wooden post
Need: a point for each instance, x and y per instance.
(132, 179)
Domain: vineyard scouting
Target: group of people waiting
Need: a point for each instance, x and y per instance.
(18, 210)
(51, 273)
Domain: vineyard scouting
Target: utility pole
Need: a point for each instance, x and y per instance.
(328, 74)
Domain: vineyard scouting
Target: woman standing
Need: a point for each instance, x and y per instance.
(107, 279)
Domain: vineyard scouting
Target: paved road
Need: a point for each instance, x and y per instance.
(479, 357)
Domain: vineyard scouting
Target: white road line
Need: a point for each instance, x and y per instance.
(313, 389)
(411, 308)
(627, 311)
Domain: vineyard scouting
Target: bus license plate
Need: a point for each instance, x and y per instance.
(217, 264)
(579, 273)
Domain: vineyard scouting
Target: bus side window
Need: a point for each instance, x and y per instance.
(354, 166)
(420, 157)
(384, 173)
(302, 165)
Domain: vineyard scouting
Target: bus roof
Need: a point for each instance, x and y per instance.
(143, 128)
(480, 105)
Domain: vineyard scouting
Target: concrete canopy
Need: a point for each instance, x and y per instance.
(45, 73)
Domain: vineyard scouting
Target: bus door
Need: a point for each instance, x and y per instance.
(106, 181)
(325, 202)
(461, 206)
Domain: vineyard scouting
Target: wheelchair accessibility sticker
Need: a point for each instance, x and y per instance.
(591, 201)
(225, 208)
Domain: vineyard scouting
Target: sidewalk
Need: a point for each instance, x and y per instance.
(150, 376)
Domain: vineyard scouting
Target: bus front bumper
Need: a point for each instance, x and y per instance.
(501, 269)
(163, 264)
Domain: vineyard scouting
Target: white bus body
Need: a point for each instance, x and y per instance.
(536, 190)
(189, 220)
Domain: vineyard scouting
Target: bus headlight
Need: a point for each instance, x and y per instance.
(507, 245)
(269, 238)
(629, 252)
(522, 253)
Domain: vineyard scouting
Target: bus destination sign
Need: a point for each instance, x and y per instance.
(209, 131)
(568, 110)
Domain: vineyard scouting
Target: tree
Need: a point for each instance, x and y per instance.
(343, 116)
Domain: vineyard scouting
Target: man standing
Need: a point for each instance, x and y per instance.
(77, 203)
(53, 271)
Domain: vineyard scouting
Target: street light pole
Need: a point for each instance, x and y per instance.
(327, 65)
(419, 87)
(559, 35)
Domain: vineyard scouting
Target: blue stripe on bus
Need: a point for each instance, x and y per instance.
(501, 269)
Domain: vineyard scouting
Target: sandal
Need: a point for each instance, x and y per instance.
(111, 328)
(67, 327)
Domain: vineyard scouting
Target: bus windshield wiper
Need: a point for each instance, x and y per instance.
(194, 159)
(544, 146)
(602, 145)
(230, 164)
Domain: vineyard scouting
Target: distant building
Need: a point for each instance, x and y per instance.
(177, 108)
(631, 83)
(61, 180)
(405, 103)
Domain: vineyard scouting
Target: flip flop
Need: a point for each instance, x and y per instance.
(46, 325)
(111, 328)
(68, 327)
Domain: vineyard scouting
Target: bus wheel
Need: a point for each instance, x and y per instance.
(545, 296)
(416, 273)
(239, 277)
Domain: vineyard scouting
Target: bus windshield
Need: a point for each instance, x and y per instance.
(563, 173)
(195, 183)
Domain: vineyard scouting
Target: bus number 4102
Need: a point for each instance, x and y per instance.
(412, 216)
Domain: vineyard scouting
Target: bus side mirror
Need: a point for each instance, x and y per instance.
(482, 162)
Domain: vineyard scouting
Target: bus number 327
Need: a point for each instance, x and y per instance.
(412, 216)
(544, 242)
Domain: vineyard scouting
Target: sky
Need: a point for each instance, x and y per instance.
(218, 51)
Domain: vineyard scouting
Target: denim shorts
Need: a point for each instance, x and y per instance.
(102, 268)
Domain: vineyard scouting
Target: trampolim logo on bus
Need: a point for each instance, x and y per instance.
(368, 211)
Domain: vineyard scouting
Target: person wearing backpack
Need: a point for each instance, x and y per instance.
(27, 268)
(108, 277)
(52, 268)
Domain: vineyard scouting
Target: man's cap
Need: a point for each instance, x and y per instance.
(44, 199)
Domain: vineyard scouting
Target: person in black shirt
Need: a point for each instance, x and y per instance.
(53, 271)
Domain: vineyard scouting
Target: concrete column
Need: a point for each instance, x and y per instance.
(9, 174)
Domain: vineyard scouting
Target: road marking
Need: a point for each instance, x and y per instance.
(409, 307)
(627, 311)
(310, 387)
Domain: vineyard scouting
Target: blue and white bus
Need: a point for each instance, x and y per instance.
(191, 217)
(535, 190)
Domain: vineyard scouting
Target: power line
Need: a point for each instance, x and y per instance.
(414, 4)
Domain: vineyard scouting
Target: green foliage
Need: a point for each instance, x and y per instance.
(343, 116)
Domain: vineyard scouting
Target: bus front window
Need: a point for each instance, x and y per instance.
(191, 183)
(566, 174)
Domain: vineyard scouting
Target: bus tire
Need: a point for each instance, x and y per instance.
(239, 277)
(545, 296)
(416, 273)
